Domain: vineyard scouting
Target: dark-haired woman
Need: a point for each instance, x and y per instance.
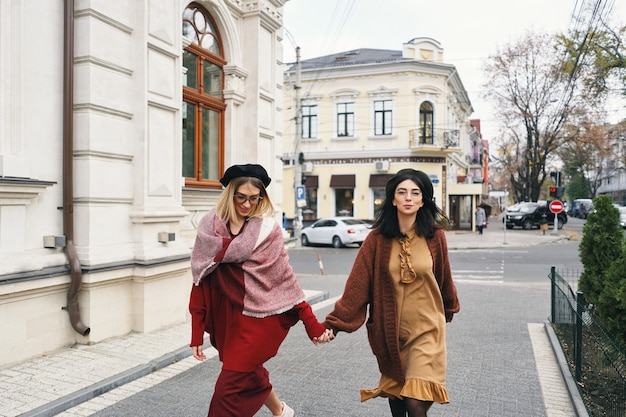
(402, 276)
(245, 294)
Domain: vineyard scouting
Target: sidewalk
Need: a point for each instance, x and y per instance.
(496, 236)
(51, 384)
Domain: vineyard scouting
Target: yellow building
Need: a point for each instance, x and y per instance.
(353, 119)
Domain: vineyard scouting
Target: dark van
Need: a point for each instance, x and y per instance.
(580, 208)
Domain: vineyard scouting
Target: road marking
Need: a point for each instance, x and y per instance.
(479, 276)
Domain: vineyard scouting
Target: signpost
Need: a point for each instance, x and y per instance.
(556, 206)
(300, 196)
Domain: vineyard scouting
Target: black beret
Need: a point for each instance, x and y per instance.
(246, 170)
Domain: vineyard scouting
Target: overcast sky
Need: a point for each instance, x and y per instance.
(469, 31)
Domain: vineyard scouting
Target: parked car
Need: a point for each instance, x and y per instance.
(336, 231)
(531, 215)
(622, 217)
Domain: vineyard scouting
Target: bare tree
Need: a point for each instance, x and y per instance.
(534, 96)
(588, 150)
(595, 45)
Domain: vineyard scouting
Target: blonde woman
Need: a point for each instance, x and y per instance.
(245, 294)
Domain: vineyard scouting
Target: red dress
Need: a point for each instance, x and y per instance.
(244, 343)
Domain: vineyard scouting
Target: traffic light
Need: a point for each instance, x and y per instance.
(553, 191)
(559, 192)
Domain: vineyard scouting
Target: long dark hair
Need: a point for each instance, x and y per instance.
(429, 217)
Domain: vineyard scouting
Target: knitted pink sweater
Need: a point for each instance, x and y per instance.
(271, 286)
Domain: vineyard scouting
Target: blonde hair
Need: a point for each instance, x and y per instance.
(225, 208)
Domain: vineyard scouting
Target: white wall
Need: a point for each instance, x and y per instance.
(126, 159)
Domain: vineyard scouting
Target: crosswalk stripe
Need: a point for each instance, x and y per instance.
(475, 275)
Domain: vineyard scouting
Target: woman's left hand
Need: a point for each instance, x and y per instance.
(325, 337)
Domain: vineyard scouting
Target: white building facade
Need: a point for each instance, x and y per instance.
(367, 113)
(117, 120)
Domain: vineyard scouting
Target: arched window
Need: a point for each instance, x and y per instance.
(426, 123)
(203, 99)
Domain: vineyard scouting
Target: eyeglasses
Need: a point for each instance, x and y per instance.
(403, 193)
(242, 199)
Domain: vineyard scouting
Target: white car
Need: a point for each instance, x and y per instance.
(336, 231)
(622, 217)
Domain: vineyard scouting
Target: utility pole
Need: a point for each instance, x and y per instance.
(506, 201)
(297, 213)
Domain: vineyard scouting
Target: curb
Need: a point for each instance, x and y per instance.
(570, 383)
(85, 394)
(88, 393)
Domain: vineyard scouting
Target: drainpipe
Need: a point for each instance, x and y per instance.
(68, 170)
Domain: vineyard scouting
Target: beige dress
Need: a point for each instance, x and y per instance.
(421, 322)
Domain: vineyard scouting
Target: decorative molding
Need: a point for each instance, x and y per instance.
(236, 71)
(266, 134)
(88, 154)
(90, 107)
(345, 93)
(427, 91)
(383, 91)
(163, 106)
(368, 160)
(87, 201)
(235, 83)
(263, 95)
(234, 96)
(235, 3)
(91, 60)
(21, 191)
(268, 14)
(311, 98)
(171, 53)
(103, 18)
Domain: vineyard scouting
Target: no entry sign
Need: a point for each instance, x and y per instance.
(556, 206)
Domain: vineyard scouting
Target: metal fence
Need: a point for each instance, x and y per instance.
(596, 361)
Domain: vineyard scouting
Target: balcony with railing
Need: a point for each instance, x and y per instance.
(442, 140)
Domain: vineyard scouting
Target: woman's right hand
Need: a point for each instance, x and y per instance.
(325, 337)
(197, 353)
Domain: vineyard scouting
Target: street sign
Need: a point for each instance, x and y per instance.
(556, 206)
(300, 196)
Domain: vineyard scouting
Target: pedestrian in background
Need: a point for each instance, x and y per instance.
(481, 219)
(245, 294)
(402, 276)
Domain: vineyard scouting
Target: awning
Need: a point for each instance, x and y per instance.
(343, 181)
(311, 181)
(379, 180)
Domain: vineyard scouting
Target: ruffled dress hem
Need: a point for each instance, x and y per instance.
(412, 388)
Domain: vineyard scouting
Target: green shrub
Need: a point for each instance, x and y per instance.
(612, 303)
(600, 246)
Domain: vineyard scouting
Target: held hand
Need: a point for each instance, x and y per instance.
(197, 353)
(325, 337)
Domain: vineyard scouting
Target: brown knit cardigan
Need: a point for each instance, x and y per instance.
(369, 285)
